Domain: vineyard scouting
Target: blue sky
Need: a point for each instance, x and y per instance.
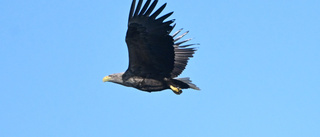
(257, 66)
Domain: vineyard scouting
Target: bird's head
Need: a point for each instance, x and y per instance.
(116, 78)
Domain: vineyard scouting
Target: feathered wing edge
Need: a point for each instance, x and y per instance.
(182, 53)
(146, 11)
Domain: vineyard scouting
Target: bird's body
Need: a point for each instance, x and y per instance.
(141, 83)
(155, 56)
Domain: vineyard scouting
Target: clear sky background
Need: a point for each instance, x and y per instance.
(258, 67)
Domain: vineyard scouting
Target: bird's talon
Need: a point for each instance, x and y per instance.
(176, 90)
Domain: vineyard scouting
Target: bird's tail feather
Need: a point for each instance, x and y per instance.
(188, 81)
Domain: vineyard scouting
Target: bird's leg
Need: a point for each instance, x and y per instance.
(176, 90)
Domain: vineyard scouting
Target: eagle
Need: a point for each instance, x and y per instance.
(156, 58)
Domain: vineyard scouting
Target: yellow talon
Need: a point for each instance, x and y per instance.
(176, 90)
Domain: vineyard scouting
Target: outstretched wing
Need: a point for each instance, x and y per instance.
(151, 50)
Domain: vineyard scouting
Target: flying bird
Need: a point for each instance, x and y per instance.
(156, 58)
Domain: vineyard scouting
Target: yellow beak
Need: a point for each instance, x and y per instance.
(106, 78)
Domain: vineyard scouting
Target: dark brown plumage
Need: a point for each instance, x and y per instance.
(155, 57)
